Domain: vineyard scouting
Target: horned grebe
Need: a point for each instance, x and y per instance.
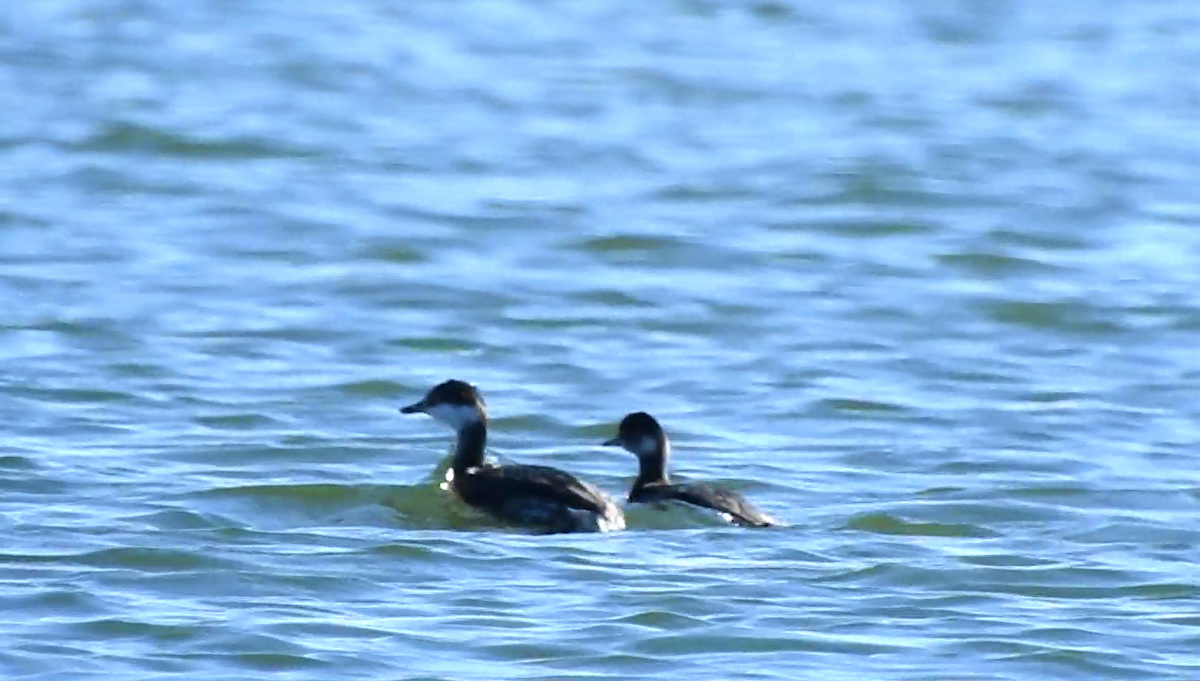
(640, 434)
(542, 497)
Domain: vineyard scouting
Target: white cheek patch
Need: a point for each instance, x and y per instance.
(457, 416)
(646, 445)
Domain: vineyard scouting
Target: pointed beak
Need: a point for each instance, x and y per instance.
(614, 442)
(414, 408)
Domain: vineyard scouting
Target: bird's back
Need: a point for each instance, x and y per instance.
(715, 497)
(542, 496)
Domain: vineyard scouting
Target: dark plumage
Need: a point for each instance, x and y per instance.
(545, 498)
(640, 434)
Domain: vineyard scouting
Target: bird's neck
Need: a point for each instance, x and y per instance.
(652, 468)
(468, 452)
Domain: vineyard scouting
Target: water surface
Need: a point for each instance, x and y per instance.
(921, 279)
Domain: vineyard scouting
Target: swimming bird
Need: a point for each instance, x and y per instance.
(544, 498)
(640, 434)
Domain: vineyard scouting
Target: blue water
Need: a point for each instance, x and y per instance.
(920, 279)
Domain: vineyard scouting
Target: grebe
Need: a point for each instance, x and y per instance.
(542, 497)
(641, 435)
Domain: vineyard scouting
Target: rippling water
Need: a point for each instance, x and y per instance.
(921, 279)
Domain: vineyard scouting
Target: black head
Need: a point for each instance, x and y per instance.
(455, 403)
(640, 434)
